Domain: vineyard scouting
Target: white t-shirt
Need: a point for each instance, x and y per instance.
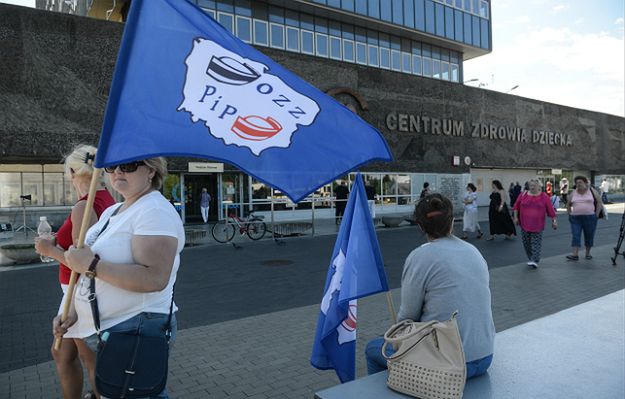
(470, 196)
(151, 215)
(605, 186)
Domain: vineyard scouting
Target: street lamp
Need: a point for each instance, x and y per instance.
(515, 87)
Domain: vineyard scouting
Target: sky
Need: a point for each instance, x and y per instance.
(568, 52)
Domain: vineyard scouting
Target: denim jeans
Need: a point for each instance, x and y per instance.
(585, 223)
(146, 324)
(376, 362)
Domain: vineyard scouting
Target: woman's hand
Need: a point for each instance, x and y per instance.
(78, 259)
(516, 220)
(59, 329)
(554, 224)
(44, 246)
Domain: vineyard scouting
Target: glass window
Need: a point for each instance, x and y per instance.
(348, 50)
(321, 44)
(384, 40)
(409, 13)
(225, 5)
(361, 7)
(458, 4)
(416, 48)
(53, 188)
(361, 53)
(453, 57)
(454, 73)
(335, 47)
(396, 60)
(444, 54)
(335, 28)
(429, 17)
(405, 62)
(277, 35)
(276, 14)
(484, 9)
(212, 14)
(292, 39)
(476, 7)
(32, 183)
(244, 29)
(398, 12)
(385, 58)
(261, 37)
(373, 9)
(467, 28)
(243, 7)
(206, 3)
(458, 32)
(307, 22)
(440, 19)
(427, 67)
(389, 189)
(484, 32)
(445, 70)
(476, 31)
(227, 21)
(308, 45)
(419, 12)
(467, 5)
(11, 189)
(436, 53)
(260, 11)
(334, 3)
(386, 12)
(348, 31)
(436, 69)
(347, 5)
(403, 188)
(449, 23)
(395, 43)
(321, 25)
(427, 50)
(291, 18)
(372, 37)
(416, 65)
(373, 55)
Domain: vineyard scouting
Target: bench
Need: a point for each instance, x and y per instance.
(394, 220)
(576, 353)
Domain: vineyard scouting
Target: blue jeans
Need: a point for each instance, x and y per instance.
(585, 223)
(376, 362)
(146, 324)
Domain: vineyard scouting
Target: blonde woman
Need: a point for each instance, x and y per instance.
(79, 172)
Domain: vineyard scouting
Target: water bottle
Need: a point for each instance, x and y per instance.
(45, 231)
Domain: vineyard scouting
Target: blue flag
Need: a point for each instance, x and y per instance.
(185, 86)
(356, 270)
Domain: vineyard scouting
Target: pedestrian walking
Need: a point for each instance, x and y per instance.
(511, 194)
(499, 219)
(564, 190)
(425, 191)
(138, 245)
(584, 208)
(529, 212)
(440, 277)
(469, 221)
(605, 189)
(370, 190)
(549, 188)
(205, 201)
(341, 192)
(73, 350)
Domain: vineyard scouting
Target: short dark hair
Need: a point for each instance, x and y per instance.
(472, 187)
(582, 178)
(426, 185)
(497, 184)
(435, 215)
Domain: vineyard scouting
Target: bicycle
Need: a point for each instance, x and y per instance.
(223, 231)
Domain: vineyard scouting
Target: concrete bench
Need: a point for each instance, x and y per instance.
(576, 353)
(394, 220)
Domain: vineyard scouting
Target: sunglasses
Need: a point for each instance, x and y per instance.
(129, 167)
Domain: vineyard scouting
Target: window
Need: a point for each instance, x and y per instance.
(334, 3)
(335, 48)
(409, 13)
(436, 69)
(348, 50)
(476, 31)
(416, 65)
(211, 13)
(398, 12)
(396, 60)
(467, 28)
(419, 13)
(373, 55)
(385, 58)
(467, 5)
(386, 12)
(484, 9)
(277, 36)
(445, 70)
(292, 39)
(389, 189)
(449, 23)
(429, 17)
(244, 29)
(485, 38)
(243, 7)
(427, 67)
(32, 183)
(11, 189)
(458, 4)
(225, 5)
(403, 189)
(361, 7)
(361, 53)
(347, 5)
(291, 18)
(308, 45)
(227, 21)
(261, 36)
(53, 189)
(321, 43)
(458, 30)
(405, 62)
(440, 19)
(373, 9)
(454, 73)
(206, 3)
(476, 7)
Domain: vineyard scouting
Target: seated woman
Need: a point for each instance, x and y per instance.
(441, 276)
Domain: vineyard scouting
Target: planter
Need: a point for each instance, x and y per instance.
(20, 253)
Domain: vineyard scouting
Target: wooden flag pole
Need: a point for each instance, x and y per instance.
(391, 308)
(84, 226)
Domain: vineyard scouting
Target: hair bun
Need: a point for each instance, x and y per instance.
(436, 204)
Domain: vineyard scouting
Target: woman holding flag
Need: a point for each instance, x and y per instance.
(133, 255)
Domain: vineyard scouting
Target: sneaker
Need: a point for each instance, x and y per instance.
(533, 265)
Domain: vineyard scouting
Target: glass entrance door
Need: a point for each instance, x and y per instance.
(194, 183)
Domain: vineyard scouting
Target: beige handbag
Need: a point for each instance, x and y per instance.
(429, 360)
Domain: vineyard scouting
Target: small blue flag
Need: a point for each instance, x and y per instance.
(357, 270)
(185, 86)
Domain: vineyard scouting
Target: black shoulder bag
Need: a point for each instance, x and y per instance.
(129, 365)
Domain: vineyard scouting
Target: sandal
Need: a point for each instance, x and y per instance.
(589, 257)
(572, 257)
(491, 238)
(479, 236)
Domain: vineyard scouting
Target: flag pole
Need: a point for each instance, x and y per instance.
(84, 226)
(391, 308)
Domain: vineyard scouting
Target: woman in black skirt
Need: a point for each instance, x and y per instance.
(499, 217)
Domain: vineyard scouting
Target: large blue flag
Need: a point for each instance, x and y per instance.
(185, 86)
(356, 270)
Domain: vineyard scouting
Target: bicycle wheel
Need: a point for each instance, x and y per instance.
(256, 229)
(223, 231)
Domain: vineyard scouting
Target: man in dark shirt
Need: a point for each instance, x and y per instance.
(341, 192)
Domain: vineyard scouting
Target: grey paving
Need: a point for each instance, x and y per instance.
(267, 355)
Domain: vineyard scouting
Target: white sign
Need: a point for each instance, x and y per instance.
(206, 167)
(556, 171)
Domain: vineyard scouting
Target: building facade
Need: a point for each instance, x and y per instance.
(397, 63)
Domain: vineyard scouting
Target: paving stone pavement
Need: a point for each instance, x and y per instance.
(267, 356)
